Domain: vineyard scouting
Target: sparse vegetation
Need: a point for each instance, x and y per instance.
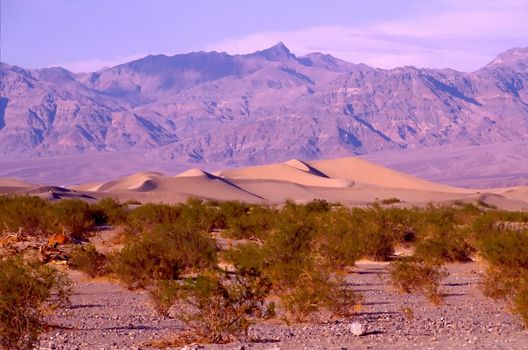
(88, 260)
(74, 216)
(220, 309)
(413, 275)
(166, 252)
(27, 290)
(294, 255)
(507, 274)
(26, 215)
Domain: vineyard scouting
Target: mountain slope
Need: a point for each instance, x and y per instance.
(259, 108)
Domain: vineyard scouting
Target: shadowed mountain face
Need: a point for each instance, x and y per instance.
(263, 107)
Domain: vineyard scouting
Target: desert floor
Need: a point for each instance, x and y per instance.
(104, 315)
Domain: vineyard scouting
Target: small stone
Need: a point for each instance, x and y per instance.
(357, 329)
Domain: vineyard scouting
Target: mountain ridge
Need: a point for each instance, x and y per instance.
(268, 106)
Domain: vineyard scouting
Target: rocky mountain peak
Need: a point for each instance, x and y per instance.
(516, 58)
(278, 52)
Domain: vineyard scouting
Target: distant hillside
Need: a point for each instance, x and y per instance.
(259, 108)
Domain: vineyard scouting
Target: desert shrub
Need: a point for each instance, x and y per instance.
(318, 206)
(144, 218)
(197, 215)
(444, 247)
(230, 210)
(74, 216)
(26, 290)
(87, 259)
(289, 249)
(219, 309)
(507, 274)
(410, 276)
(163, 295)
(339, 239)
(165, 253)
(498, 283)
(400, 225)
(520, 301)
(316, 290)
(506, 249)
(350, 234)
(29, 215)
(109, 211)
(257, 222)
(296, 262)
(341, 299)
(247, 258)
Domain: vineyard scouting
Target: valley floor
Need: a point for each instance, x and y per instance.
(104, 315)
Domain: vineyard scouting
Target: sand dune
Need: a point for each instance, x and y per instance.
(7, 182)
(362, 171)
(293, 171)
(351, 181)
(192, 183)
(8, 185)
(131, 182)
(517, 193)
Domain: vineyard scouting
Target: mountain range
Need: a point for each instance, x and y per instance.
(264, 107)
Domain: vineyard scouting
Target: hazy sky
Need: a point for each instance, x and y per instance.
(84, 35)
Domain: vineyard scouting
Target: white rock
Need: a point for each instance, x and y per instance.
(357, 329)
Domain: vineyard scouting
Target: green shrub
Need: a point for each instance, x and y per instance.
(505, 248)
(507, 276)
(219, 310)
(444, 248)
(197, 215)
(520, 301)
(339, 239)
(147, 216)
(318, 206)
(87, 259)
(164, 254)
(163, 295)
(288, 251)
(109, 211)
(74, 216)
(247, 258)
(410, 276)
(257, 222)
(29, 215)
(26, 290)
(499, 283)
(316, 290)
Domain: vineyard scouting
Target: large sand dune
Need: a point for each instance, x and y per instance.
(352, 181)
(362, 171)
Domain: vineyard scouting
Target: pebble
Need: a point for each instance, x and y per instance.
(357, 329)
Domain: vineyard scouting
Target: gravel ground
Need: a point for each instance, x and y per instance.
(104, 315)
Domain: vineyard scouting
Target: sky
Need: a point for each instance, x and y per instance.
(86, 35)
